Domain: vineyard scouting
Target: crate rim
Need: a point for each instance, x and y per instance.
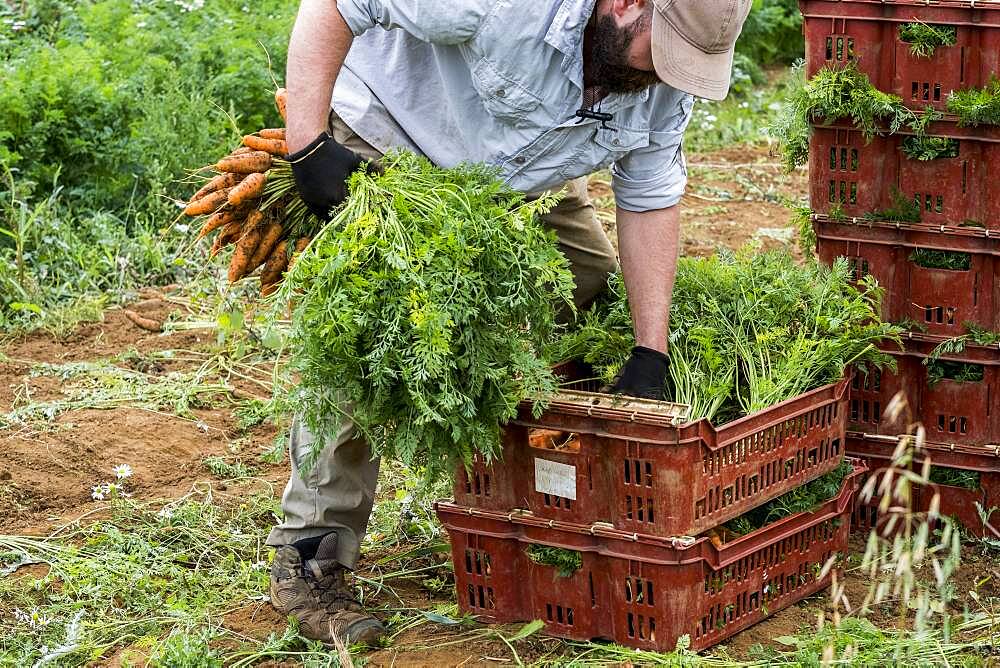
(986, 451)
(931, 228)
(713, 437)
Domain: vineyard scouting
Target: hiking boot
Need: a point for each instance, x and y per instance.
(316, 593)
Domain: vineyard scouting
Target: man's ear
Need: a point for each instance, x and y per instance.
(627, 11)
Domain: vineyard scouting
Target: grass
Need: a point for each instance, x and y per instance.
(150, 580)
(104, 386)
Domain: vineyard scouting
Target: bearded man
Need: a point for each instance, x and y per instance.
(548, 92)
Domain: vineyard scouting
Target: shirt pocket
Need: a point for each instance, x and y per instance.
(619, 141)
(503, 96)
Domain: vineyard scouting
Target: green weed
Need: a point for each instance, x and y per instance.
(220, 468)
(105, 386)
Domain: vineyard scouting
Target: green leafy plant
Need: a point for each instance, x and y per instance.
(929, 148)
(961, 372)
(924, 38)
(424, 305)
(902, 210)
(748, 330)
(832, 94)
(566, 562)
(943, 475)
(802, 499)
(930, 258)
(977, 106)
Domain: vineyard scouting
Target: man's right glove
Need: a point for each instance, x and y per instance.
(321, 170)
(644, 375)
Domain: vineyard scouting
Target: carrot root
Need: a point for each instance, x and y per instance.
(273, 146)
(142, 322)
(207, 204)
(247, 163)
(249, 188)
(270, 234)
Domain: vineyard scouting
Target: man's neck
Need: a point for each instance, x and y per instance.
(592, 92)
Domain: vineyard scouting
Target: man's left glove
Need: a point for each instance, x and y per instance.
(321, 171)
(644, 375)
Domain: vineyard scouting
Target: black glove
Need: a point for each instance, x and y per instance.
(644, 375)
(321, 170)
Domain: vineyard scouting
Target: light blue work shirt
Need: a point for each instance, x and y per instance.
(498, 81)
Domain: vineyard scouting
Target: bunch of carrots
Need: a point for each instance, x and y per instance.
(249, 203)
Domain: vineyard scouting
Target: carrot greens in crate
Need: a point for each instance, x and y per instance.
(802, 499)
(424, 303)
(747, 331)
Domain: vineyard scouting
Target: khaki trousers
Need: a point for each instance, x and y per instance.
(338, 492)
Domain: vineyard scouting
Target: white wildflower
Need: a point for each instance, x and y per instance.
(97, 493)
(123, 471)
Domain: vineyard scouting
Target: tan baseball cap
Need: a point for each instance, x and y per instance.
(693, 42)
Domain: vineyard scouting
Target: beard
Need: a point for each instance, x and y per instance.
(609, 57)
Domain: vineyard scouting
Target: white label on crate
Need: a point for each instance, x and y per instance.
(555, 478)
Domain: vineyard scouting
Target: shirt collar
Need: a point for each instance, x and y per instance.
(566, 34)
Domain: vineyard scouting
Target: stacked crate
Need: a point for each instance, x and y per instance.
(636, 491)
(959, 204)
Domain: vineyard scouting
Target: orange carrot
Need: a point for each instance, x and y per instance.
(269, 236)
(216, 183)
(220, 219)
(272, 133)
(247, 163)
(245, 247)
(249, 188)
(142, 322)
(281, 100)
(229, 234)
(274, 268)
(207, 204)
(241, 150)
(272, 146)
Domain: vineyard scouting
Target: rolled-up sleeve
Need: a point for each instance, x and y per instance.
(654, 176)
(435, 22)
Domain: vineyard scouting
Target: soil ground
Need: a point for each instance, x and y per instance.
(46, 474)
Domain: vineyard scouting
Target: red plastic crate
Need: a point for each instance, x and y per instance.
(857, 177)
(940, 300)
(642, 591)
(953, 412)
(866, 32)
(635, 465)
(957, 502)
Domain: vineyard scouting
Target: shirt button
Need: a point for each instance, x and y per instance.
(520, 160)
(616, 142)
(501, 92)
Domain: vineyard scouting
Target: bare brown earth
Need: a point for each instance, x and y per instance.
(46, 474)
